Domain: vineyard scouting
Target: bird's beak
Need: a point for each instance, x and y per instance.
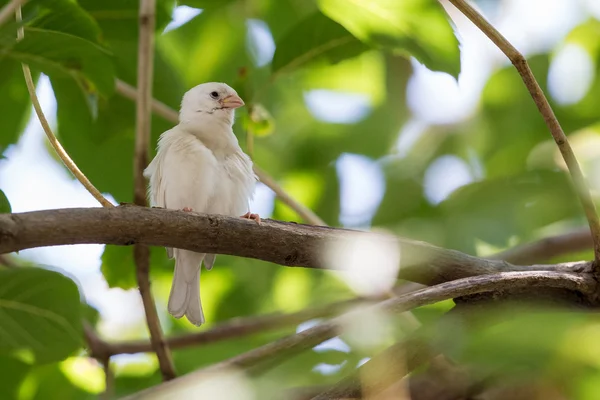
(232, 101)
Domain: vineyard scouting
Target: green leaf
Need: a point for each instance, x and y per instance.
(418, 28)
(50, 382)
(14, 102)
(204, 4)
(4, 204)
(119, 19)
(118, 266)
(13, 371)
(315, 38)
(63, 55)
(40, 311)
(494, 210)
(68, 17)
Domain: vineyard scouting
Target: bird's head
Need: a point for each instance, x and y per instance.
(209, 101)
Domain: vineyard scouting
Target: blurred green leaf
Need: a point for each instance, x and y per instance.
(204, 4)
(118, 266)
(63, 55)
(495, 210)
(49, 382)
(13, 371)
(316, 38)
(4, 203)
(418, 28)
(40, 312)
(14, 101)
(68, 17)
(118, 19)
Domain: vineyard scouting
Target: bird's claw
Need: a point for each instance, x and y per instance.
(249, 215)
(187, 209)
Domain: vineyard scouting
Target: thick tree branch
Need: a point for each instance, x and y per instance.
(543, 106)
(171, 115)
(283, 243)
(141, 252)
(294, 344)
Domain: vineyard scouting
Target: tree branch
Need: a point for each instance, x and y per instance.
(171, 115)
(7, 11)
(294, 344)
(279, 242)
(543, 106)
(236, 327)
(69, 163)
(548, 248)
(141, 252)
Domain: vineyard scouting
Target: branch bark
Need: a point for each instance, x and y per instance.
(171, 115)
(7, 11)
(284, 243)
(294, 344)
(141, 252)
(520, 63)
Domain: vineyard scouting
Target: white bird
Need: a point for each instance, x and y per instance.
(200, 167)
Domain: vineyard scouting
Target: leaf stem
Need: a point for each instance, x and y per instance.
(520, 63)
(141, 253)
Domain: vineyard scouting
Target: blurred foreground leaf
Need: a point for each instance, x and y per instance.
(4, 203)
(417, 28)
(63, 55)
(40, 311)
(315, 38)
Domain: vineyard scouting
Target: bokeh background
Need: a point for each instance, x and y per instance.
(363, 137)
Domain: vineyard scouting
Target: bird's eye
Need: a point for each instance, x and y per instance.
(214, 95)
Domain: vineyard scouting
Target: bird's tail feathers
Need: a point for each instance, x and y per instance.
(184, 298)
(209, 261)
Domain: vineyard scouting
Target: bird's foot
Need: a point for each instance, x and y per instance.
(249, 215)
(187, 209)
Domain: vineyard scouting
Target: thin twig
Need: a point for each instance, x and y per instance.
(237, 327)
(7, 11)
(309, 338)
(543, 106)
(547, 248)
(69, 163)
(98, 349)
(171, 115)
(109, 379)
(141, 253)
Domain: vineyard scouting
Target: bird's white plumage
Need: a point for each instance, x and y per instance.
(200, 165)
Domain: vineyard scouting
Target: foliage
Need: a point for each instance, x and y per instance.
(518, 191)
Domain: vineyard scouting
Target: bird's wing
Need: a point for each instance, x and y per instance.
(182, 173)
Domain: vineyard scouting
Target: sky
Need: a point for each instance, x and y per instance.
(33, 180)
